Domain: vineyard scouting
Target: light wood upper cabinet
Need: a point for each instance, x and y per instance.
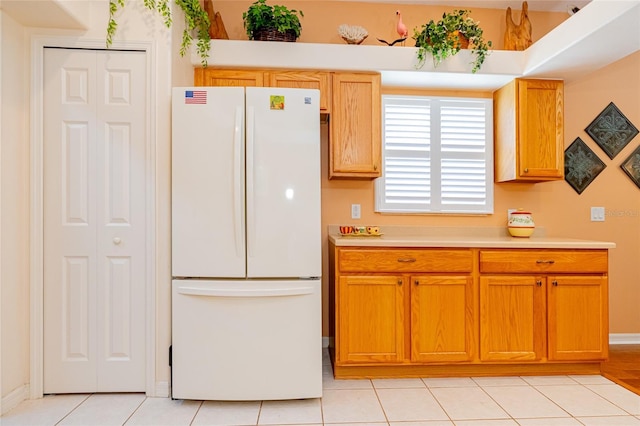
(355, 132)
(529, 131)
(268, 78)
(225, 77)
(371, 329)
(304, 80)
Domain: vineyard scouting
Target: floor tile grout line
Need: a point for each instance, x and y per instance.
(196, 413)
(437, 401)
(73, 409)
(384, 413)
(135, 410)
(551, 400)
(607, 399)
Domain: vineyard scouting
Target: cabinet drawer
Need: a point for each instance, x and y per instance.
(367, 260)
(543, 261)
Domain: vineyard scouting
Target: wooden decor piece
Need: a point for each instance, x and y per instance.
(216, 26)
(518, 37)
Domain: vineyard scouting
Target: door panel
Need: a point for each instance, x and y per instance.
(512, 318)
(207, 176)
(94, 221)
(283, 183)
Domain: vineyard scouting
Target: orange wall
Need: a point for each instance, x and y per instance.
(322, 18)
(555, 205)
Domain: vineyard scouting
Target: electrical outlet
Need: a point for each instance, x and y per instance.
(597, 214)
(355, 211)
(509, 211)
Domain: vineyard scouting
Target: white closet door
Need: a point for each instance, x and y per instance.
(94, 221)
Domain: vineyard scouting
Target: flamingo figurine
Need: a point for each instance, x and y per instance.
(401, 28)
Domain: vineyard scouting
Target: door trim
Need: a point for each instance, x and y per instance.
(36, 265)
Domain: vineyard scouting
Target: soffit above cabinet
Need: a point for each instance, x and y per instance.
(601, 33)
(61, 14)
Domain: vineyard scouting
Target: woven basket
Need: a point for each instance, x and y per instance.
(271, 34)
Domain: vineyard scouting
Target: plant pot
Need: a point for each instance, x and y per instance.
(271, 34)
(461, 41)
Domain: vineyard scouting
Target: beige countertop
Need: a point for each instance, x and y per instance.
(412, 236)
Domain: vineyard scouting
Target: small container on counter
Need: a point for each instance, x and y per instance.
(521, 224)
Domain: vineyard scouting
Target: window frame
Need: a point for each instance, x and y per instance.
(432, 151)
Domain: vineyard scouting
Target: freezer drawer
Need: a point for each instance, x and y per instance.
(246, 340)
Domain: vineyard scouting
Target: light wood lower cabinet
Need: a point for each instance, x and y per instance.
(372, 318)
(512, 318)
(403, 312)
(578, 319)
(395, 306)
(554, 309)
(442, 318)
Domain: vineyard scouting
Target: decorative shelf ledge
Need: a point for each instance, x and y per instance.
(603, 32)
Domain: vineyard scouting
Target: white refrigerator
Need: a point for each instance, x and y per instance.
(246, 244)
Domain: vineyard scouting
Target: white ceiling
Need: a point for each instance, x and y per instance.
(540, 5)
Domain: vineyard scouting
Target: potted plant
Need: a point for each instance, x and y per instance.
(272, 23)
(455, 31)
(195, 17)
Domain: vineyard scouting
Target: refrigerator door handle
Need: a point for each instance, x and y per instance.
(251, 190)
(229, 292)
(238, 171)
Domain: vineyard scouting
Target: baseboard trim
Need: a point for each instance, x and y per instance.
(161, 390)
(325, 341)
(14, 398)
(624, 339)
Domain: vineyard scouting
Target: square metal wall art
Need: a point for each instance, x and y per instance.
(631, 166)
(581, 165)
(611, 130)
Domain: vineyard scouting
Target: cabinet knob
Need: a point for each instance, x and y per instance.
(399, 281)
(539, 283)
(375, 167)
(117, 240)
(417, 282)
(555, 283)
(526, 170)
(406, 260)
(550, 262)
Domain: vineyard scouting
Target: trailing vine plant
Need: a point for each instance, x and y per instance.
(196, 20)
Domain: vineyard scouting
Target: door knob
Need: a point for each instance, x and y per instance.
(117, 240)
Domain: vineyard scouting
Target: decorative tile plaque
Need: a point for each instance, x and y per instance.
(611, 130)
(631, 166)
(581, 165)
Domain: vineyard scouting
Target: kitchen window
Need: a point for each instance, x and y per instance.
(437, 155)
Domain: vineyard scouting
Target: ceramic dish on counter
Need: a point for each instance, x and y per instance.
(360, 231)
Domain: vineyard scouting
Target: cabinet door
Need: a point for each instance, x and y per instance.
(578, 317)
(305, 80)
(371, 319)
(512, 318)
(224, 77)
(540, 129)
(442, 318)
(354, 140)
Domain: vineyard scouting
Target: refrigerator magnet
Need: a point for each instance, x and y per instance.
(276, 102)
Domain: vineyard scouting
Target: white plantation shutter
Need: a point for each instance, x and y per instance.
(437, 155)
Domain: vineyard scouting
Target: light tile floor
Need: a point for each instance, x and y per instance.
(480, 401)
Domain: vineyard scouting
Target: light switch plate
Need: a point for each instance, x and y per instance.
(597, 214)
